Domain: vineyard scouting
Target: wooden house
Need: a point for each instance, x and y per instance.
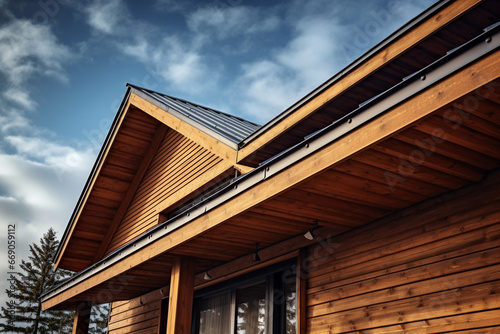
(372, 205)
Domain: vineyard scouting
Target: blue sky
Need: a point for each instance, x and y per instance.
(64, 65)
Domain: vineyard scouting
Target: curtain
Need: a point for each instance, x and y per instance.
(215, 314)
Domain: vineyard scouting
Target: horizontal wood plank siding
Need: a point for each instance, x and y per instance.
(178, 162)
(431, 268)
(137, 316)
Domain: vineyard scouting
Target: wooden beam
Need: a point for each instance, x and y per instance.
(97, 170)
(180, 304)
(148, 157)
(213, 145)
(243, 169)
(393, 121)
(82, 318)
(381, 58)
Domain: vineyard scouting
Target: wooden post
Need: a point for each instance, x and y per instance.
(180, 306)
(82, 318)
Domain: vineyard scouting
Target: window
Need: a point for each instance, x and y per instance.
(251, 310)
(263, 302)
(214, 314)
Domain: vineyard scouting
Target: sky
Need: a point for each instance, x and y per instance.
(64, 65)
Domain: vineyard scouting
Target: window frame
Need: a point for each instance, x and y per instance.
(275, 316)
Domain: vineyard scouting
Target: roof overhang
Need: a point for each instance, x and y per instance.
(354, 165)
(347, 70)
(396, 56)
(132, 141)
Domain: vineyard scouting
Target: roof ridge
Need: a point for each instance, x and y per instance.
(193, 103)
(228, 128)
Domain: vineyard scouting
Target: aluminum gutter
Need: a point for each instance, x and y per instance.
(455, 60)
(86, 188)
(388, 40)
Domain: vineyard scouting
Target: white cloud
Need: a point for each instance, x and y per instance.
(37, 174)
(141, 50)
(40, 182)
(28, 50)
(175, 63)
(40, 179)
(7, 199)
(309, 58)
(182, 59)
(266, 88)
(171, 6)
(321, 44)
(172, 59)
(60, 158)
(20, 97)
(106, 16)
(313, 53)
(38, 189)
(230, 21)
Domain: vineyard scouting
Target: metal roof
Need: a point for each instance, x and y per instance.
(208, 120)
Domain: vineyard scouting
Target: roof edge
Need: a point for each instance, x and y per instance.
(194, 124)
(347, 70)
(190, 102)
(93, 173)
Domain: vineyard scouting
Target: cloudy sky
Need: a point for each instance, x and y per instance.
(64, 65)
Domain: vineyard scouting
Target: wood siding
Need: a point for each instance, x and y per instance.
(178, 162)
(137, 316)
(433, 268)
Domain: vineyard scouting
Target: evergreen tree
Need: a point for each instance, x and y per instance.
(99, 319)
(23, 312)
(60, 322)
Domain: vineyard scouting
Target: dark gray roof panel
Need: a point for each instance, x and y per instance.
(230, 127)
